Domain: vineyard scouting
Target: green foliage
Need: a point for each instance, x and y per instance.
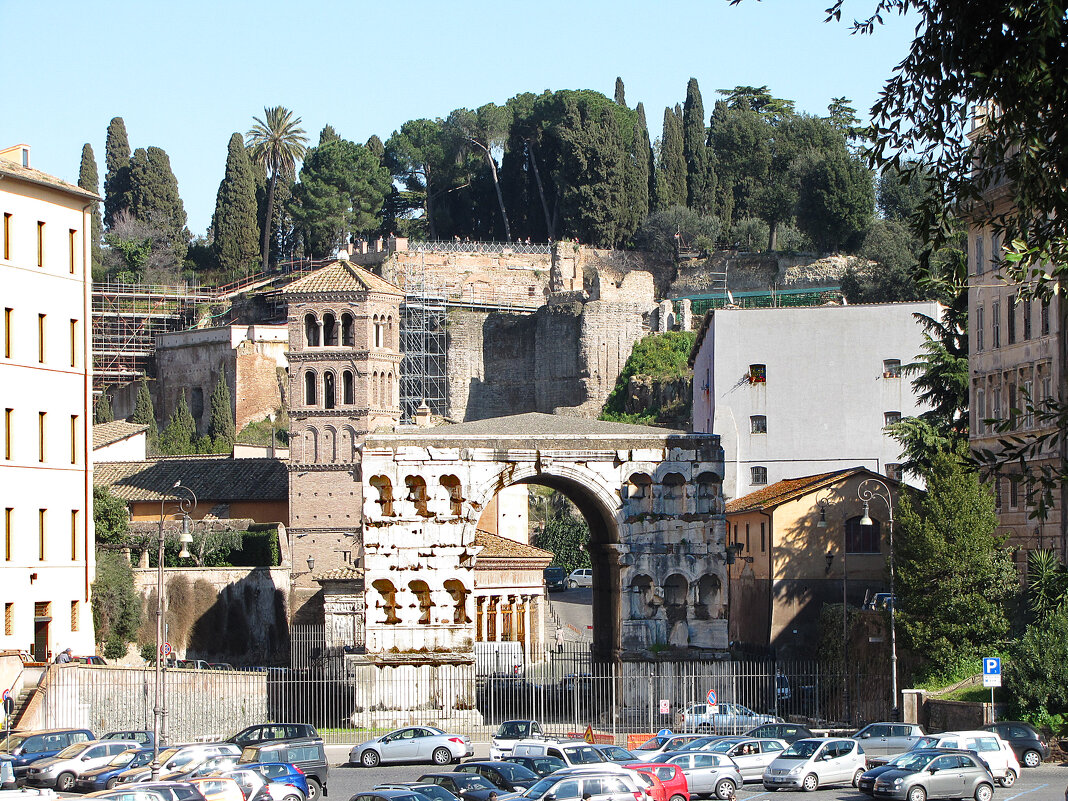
(620, 93)
(234, 224)
(836, 198)
(259, 548)
(1036, 676)
(757, 99)
(102, 411)
(117, 178)
(89, 178)
(1047, 584)
(659, 356)
(116, 606)
(700, 181)
(955, 578)
(562, 529)
(264, 432)
(749, 234)
(179, 436)
(145, 413)
(115, 647)
(148, 651)
(671, 165)
(222, 429)
(899, 193)
(153, 198)
(277, 143)
(110, 517)
(594, 192)
(658, 230)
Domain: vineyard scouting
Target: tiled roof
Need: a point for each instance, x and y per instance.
(497, 547)
(341, 276)
(109, 433)
(213, 479)
(786, 490)
(14, 170)
(340, 574)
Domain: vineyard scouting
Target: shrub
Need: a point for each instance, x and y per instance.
(115, 647)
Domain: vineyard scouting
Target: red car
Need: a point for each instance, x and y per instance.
(672, 780)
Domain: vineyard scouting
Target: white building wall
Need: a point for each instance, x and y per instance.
(56, 478)
(129, 449)
(824, 398)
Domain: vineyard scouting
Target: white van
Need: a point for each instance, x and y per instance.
(572, 752)
(994, 751)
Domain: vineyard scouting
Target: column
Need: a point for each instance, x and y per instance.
(528, 626)
(479, 634)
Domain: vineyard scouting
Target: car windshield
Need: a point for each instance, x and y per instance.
(142, 758)
(540, 788)
(615, 752)
(12, 742)
(652, 744)
(721, 746)
(469, 782)
(583, 755)
(515, 773)
(170, 753)
(125, 758)
(513, 730)
(435, 792)
(71, 751)
(914, 762)
(802, 749)
(700, 744)
(925, 742)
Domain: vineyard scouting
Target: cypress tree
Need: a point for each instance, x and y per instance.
(154, 197)
(621, 95)
(222, 429)
(650, 164)
(328, 134)
(235, 223)
(117, 178)
(637, 177)
(102, 411)
(695, 150)
(144, 413)
(89, 179)
(180, 435)
(671, 171)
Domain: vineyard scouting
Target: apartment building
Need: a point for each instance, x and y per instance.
(46, 512)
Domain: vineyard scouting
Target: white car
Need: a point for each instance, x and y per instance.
(811, 763)
(572, 785)
(995, 752)
(510, 732)
(572, 752)
(61, 771)
(583, 577)
(412, 744)
(750, 754)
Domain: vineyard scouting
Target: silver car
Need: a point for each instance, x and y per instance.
(412, 744)
(586, 783)
(811, 763)
(928, 775)
(61, 771)
(885, 739)
(707, 773)
(750, 754)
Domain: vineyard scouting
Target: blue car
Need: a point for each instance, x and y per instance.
(281, 773)
(23, 747)
(107, 776)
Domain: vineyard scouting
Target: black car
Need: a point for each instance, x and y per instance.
(541, 765)
(1027, 742)
(434, 792)
(173, 791)
(555, 579)
(388, 795)
(467, 786)
(781, 731)
(507, 776)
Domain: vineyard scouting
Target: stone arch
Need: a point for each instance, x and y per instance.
(378, 332)
(459, 594)
(709, 597)
(676, 606)
(417, 494)
(329, 390)
(421, 590)
(639, 494)
(311, 330)
(391, 341)
(708, 493)
(344, 443)
(348, 388)
(453, 489)
(310, 394)
(386, 601)
(330, 330)
(348, 330)
(330, 444)
(385, 495)
(349, 452)
(311, 445)
(672, 494)
(641, 597)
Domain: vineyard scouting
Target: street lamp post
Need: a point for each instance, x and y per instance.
(869, 489)
(159, 707)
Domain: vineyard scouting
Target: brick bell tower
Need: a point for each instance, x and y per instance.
(344, 380)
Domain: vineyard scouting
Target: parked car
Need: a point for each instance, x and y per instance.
(282, 773)
(866, 783)
(1027, 742)
(572, 752)
(23, 747)
(173, 791)
(725, 718)
(127, 793)
(257, 788)
(218, 788)
(507, 776)
(91, 660)
(210, 766)
(555, 579)
(176, 758)
(541, 765)
(811, 763)
(936, 775)
(412, 744)
(991, 749)
(423, 790)
(750, 754)
(192, 664)
(466, 786)
(583, 577)
(220, 666)
(389, 794)
(790, 732)
(613, 753)
(886, 739)
(510, 732)
(272, 733)
(105, 777)
(707, 773)
(60, 771)
(308, 755)
(572, 784)
(672, 779)
(651, 749)
(142, 737)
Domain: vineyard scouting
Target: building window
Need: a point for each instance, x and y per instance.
(1029, 404)
(380, 333)
(1026, 311)
(758, 373)
(75, 614)
(995, 394)
(9, 415)
(73, 343)
(41, 338)
(1045, 318)
(995, 324)
(1010, 318)
(1014, 407)
(762, 541)
(893, 471)
(758, 424)
(348, 331)
(1014, 492)
(348, 388)
(758, 475)
(329, 391)
(74, 536)
(329, 330)
(9, 519)
(997, 492)
(74, 439)
(73, 249)
(889, 418)
(309, 388)
(41, 418)
(891, 368)
(995, 251)
(7, 236)
(9, 619)
(979, 344)
(980, 257)
(862, 539)
(8, 314)
(311, 331)
(980, 411)
(40, 243)
(42, 526)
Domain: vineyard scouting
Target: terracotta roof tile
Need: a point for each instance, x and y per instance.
(340, 574)
(786, 490)
(14, 170)
(213, 479)
(341, 276)
(109, 433)
(497, 547)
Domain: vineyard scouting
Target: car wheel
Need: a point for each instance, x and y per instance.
(315, 790)
(857, 775)
(810, 783)
(984, 792)
(110, 784)
(64, 782)
(917, 793)
(770, 789)
(369, 758)
(1032, 759)
(725, 789)
(1009, 779)
(292, 798)
(676, 798)
(572, 585)
(441, 756)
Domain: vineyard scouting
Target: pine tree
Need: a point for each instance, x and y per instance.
(117, 163)
(145, 414)
(179, 437)
(235, 224)
(328, 134)
(89, 179)
(154, 199)
(695, 150)
(671, 171)
(222, 429)
(650, 163)
(621, 95)
(102, 411)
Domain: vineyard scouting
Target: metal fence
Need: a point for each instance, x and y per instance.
(465, 246)
(349, 698)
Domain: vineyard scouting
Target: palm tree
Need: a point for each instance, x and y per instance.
(277, 142)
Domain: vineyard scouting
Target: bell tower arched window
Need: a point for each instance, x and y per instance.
(348, 334)
(311, 331)
(348, 388)
(309, 388)
(329, 391)
(329, 330)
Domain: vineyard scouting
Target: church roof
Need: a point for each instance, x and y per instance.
(497, 547)
(213, 478)
(341, 276)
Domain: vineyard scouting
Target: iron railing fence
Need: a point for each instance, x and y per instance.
(348, 698)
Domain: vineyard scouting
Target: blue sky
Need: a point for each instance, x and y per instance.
(185, 75)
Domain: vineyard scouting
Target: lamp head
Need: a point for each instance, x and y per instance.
(822, 522)
(311, 563)
(866, 520)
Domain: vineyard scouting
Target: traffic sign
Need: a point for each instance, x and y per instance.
(665, 706)
(7, 694)
(712, 698)
(991, 671)
(664, 733)
(165, 649)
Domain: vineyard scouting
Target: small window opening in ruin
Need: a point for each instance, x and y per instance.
(708, 491)
(673, 493)
(311, 331)
(417, 494)
(422, 593)
(329, 391)
(456, 498)
(387, 601)
(329, 330)
(459, 594)
(348, 331)
(385, 495)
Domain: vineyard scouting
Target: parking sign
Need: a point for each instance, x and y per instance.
(992, 671)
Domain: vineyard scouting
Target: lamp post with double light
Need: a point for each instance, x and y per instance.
(159, 707)
(869, 490)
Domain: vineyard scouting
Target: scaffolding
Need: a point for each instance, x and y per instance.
(127, 318)
(423, 341)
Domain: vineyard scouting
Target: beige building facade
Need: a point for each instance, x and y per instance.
(47, 547)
